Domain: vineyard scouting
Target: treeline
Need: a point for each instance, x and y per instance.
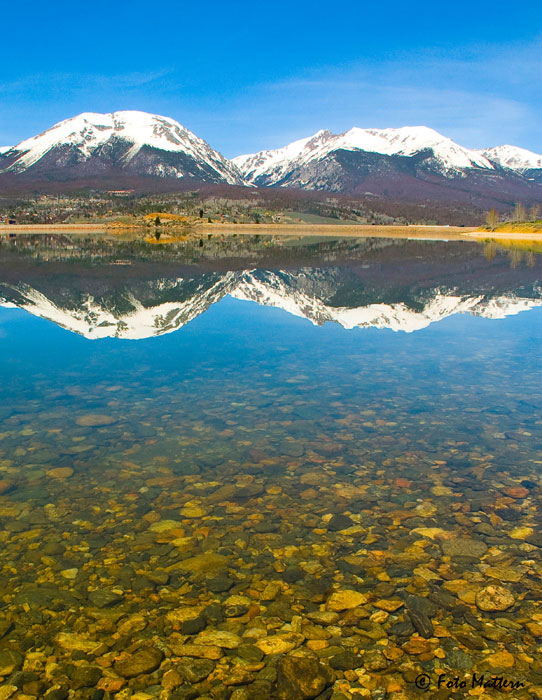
(520, 214)
(227, 203)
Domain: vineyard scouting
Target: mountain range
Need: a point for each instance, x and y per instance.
(405, 163)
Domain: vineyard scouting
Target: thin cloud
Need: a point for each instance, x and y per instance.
(79, 82)
(480, 98)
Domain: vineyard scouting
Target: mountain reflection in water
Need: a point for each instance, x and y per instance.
(101, 287)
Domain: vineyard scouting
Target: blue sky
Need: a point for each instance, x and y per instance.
(246, 76)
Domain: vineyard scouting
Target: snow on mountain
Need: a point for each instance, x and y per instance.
(90, 134)
(139, 143)
(272, 291)
(96, 319)
(405, 141)
(279, 161)
(513, 157)
(410, 140)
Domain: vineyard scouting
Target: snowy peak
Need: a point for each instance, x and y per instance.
(409, 140)
(269, 167)
(122, 136)
(391, 162)
(278, 161)
(513, 157)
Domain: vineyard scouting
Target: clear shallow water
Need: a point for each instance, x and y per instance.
(253, 454)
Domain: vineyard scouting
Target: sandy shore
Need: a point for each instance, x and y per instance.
(445, 233)
(343, 231)
(509, 236)
(47, 228)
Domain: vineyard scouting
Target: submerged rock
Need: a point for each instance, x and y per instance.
(494, 598)
(10, 660)
(279, 643)
(194, 670)
(144, 660)
(104, 599)
(345, 600)
(464, 547)
(301, 678)
(95, 420)
(340, 522)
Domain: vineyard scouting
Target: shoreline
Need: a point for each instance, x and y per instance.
(342, 230)
(5, 228)
(336, 230)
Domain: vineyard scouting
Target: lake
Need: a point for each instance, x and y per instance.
(254, 467)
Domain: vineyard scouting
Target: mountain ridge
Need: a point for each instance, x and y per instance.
(132, 141)
(414, 163)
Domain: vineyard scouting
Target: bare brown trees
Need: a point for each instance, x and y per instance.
(492, 219)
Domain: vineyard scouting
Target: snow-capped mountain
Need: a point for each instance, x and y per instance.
(132, 142)
(162, 306)
(272, 167)
(405, 163)
(513, 157)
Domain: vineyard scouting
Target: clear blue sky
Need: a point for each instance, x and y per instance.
(246, 76)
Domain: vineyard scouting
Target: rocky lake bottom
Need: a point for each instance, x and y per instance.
(255, 507)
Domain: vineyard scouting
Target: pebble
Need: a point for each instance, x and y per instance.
(417, 645)
(345, 661)
(165, 525)
(300, 678)
(517, 492)
(494, 598)
(104, 599)
(203, 563)
(197, 651)
(218, 638)
(464, 547)
(339, 522)
(144, 660)
(6, 486)
(194, 670)
(279, 643)
(345, 600)
(60, 473)
(69, 574)
(535, 628)
(85, 677)
(501, 659)
(129, 625)
(390, 606)
(76, 642)
(95, 420)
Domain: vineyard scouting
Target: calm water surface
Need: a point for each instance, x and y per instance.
(262, 468)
